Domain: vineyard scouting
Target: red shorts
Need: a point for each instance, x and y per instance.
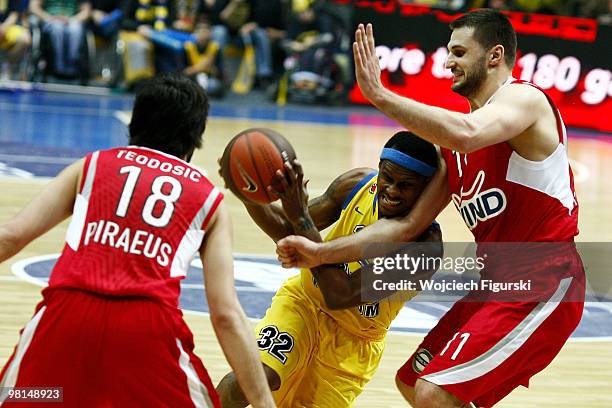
(109, 352)
(481, 351)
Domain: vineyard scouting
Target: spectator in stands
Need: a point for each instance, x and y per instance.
(220, 20)
(265, 27)
(14, 38)
(606, 17)
(64, 22)
(106, 17)
(540, 6)
(187, 12)
(254, 24)
(500, 5)
(598, 9)
(149, 18)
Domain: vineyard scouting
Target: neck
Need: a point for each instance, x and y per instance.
(490, 86)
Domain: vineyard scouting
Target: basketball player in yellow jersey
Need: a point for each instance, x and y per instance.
(314, 354)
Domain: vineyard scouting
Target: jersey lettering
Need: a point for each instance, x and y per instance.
(475, 205)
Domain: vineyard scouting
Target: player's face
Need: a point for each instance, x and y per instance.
(467, 60)
(398, 189)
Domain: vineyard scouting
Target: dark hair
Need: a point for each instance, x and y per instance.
(490, 28)
(169, 115)
(412, 145)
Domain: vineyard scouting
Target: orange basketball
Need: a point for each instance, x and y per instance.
(251, 159)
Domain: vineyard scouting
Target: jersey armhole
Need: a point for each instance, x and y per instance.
(356, 189)
(213, 207)
(558, 119)
(84, 174)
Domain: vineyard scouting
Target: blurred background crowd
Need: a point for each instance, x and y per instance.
(225, 45)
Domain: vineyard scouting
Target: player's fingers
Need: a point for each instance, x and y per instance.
(360, 39)
(282, 180)
(299, 172)
(290, 172)
(370, 40)
(288, 265)
(275, 191)
(357, 57)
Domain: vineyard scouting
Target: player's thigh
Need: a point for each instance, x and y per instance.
(286, 338)
(343, 365)
(435, 341)
(502, 346)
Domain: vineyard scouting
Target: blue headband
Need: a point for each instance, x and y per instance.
(407, 162)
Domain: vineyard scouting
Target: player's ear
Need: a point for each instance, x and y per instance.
(496, 56)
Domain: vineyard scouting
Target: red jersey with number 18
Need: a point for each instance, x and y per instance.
(138, 221)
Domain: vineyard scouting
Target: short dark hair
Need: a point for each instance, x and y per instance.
(412, 145)
(169, 115)
(490, 28)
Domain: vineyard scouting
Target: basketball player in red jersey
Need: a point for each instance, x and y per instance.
(507, 172)
(108, 330)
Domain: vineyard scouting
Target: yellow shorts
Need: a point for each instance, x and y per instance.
(319, 363)
(11, 36)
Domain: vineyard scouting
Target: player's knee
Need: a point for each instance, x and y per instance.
(406, 390)
(273, 379)
(428, 395)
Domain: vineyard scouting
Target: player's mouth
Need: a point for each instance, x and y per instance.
(457, 76)
(386, 202)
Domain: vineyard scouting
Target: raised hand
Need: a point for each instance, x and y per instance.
(367, 66)
(291, 189)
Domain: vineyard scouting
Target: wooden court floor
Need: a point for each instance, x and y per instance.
(581, 376)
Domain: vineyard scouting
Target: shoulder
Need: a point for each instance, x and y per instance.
(521, 94)
(345, 184)
(355, 176)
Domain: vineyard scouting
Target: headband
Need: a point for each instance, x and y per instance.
(407, 162)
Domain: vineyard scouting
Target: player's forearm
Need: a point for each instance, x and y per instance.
(305, 227)
(10, 20)
(238, 344)
(270, 219)
(336, 288)
(439, 126)
(83, 14)
(355, 247)
(10, 242)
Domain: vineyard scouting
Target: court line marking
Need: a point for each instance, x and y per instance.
(71, 110)
(123, 116)
(26, 158)
(18, 269)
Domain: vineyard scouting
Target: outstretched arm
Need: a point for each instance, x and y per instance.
(229, 322)
(53, 205)
(514, 109)
(295, 251)
(342, 291)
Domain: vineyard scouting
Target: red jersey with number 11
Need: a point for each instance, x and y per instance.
(138, 221)
(503, 197)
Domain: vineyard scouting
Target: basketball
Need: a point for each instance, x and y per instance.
(251, 159)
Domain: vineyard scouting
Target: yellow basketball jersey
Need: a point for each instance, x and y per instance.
(370, 320)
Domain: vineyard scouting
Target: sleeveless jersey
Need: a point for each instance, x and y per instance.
(138, 220)
(503, 197)
(371, 320)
